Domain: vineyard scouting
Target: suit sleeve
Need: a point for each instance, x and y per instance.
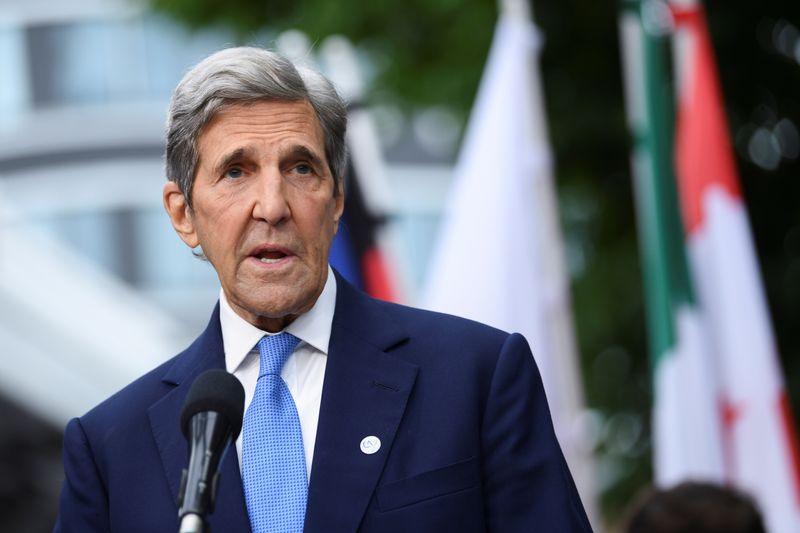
(528, 486)
(83, 506)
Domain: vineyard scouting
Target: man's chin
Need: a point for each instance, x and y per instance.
(270, 307)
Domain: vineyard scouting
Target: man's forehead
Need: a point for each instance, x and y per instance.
(293, 126)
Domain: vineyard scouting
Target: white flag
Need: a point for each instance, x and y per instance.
(500, 258)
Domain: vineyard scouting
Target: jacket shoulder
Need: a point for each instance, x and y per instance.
(143, 392)
(134, 398)
(435, 324)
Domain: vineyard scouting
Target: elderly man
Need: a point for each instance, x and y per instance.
(382, 418)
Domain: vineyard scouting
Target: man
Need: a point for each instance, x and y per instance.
(395, 419)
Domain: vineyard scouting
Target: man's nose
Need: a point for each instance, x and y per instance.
(271, 203)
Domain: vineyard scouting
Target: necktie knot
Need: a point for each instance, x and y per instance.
(274, 351)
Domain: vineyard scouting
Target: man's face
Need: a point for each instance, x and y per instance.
(263, 209)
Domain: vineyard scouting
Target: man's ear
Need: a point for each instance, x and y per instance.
(180, 214)
(339, 208)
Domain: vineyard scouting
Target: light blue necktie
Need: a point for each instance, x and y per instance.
(273, 459)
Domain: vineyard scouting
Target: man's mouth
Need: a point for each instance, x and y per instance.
(270, 255)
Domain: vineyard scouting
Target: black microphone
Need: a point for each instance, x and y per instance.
(211, 419)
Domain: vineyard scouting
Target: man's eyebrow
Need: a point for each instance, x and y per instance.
(227, 160)
(304, 152)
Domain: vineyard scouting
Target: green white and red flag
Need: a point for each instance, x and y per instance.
(720, 412)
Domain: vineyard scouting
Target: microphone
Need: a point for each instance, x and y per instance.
(210, 420)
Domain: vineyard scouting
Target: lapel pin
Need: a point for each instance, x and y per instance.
(370, 445)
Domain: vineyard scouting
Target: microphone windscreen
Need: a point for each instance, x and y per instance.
(215, 390)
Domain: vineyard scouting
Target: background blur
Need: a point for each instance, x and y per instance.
(95, 287)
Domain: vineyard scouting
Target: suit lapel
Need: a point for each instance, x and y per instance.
(206, 352)
(364, 394)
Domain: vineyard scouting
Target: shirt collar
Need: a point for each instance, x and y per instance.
(313, 327)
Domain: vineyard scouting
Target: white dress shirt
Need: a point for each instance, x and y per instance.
(303, 372)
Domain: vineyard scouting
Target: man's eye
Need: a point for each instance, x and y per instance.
(304, 176)
(302, 168)
(234, 172)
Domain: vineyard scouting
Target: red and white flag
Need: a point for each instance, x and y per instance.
(759, 451)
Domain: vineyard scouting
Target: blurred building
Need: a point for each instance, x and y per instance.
(95, 287)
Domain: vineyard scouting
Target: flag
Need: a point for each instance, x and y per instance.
(499, 258)
(355, 251)
(686, 429)
(759, 449)
(364, 250)
(720, 411)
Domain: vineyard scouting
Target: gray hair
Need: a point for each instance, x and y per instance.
(247, 75)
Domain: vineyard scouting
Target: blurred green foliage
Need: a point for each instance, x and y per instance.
(432, 52)
(426, 51)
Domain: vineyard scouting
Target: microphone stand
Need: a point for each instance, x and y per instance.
(199, 483)
(211, 420)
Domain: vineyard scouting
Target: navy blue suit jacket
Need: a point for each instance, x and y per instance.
(467, 443)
